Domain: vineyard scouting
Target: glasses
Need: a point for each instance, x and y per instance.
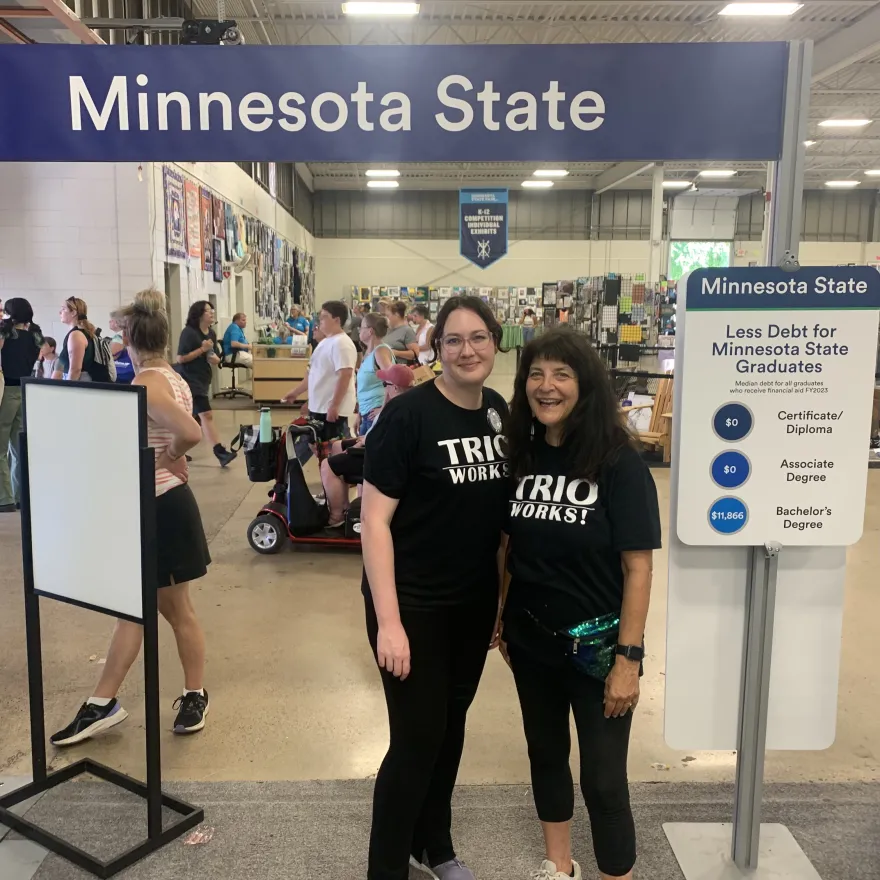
(478, 342)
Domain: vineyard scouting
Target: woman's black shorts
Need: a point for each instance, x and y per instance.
(182, 549)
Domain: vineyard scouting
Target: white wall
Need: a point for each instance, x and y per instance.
(229, 182)
(342, 263)
(73, 229)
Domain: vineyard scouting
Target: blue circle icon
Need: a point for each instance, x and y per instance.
(733, 422)
(728, 515)
(730, 469)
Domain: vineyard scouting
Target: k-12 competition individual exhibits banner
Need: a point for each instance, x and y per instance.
(483, 225)
(777, 391)
(599, 103)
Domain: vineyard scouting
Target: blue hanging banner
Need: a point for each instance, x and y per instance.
(483, 225)
(574, 103)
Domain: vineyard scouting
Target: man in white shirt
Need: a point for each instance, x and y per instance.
(330, 380)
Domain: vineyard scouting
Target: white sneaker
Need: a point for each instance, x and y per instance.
(418, 871)
(548, 871)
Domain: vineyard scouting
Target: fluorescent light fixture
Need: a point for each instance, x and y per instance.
(809, 143)
(765, 9)
(875, 172)
(380, 8)
(841, 184)
(718, 173)
(676, 184)
(382, 172)
(537, 184)
(551, 172)
(844, 123)
(382, 184)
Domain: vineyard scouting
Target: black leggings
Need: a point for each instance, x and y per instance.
(412, 803)
(547, 695)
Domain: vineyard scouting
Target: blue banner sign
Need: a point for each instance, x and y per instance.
(829, 287)
(483, 225)
(392, 103)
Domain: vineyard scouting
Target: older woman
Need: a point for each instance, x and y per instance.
(583, 525)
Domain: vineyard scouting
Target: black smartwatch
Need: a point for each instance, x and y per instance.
(631, 652)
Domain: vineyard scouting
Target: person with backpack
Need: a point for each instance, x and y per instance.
(85, 356)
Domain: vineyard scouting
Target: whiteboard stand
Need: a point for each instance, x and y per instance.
(91, 416)
(757, 852)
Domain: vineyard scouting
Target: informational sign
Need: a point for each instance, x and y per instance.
(776, 405)
(577, 103)
(483, 225)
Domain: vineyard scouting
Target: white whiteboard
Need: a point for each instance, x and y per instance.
(705, 631)
(83, 459)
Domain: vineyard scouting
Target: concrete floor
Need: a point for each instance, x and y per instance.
(294, 692)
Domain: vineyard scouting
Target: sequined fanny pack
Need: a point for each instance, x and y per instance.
(591, 646)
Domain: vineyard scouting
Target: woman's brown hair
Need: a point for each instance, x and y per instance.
(81, 310)
(146, 323)
(377, 323)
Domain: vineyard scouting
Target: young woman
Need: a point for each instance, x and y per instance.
(180, 539)
(436, 455)
(197, 353)
(20, 342)
(377, 356)
(77, 355)
(583, 524)
(527, 322)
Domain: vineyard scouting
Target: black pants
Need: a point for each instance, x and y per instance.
(412, 803)
(547, 695)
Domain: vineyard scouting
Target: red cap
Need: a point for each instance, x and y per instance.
(397, 374)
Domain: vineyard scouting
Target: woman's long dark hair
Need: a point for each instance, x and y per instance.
(196, 310)
(593, 433)
(20, 311)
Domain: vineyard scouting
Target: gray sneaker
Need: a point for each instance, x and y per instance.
(454, 870)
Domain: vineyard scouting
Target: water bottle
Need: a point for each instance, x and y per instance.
(265, 425)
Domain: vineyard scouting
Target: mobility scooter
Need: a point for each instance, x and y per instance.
(293, 513)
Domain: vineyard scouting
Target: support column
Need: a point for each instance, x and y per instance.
(655, 255)
(787, 175)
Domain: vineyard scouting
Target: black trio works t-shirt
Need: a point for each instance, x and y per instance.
(447, 466)
(566, 536)
(198, 371)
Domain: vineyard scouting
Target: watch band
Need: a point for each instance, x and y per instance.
(636, 653)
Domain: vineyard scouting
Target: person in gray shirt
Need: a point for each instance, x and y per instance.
(401, 337)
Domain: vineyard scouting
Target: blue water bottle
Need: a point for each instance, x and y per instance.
(265, 425)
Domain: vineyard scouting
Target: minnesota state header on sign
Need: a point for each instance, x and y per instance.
(483, 225)
(775, 399)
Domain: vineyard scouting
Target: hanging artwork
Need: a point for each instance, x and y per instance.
(218, 259)
(175, 233)
(207, 217)
(219, 218)
(193, 226)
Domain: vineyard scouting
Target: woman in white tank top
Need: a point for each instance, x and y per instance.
(181, 548)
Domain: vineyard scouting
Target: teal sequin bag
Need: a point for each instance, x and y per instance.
(591, 646)
(594, 645)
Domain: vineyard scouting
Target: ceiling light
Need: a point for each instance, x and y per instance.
(873, 173)
(809, 143)
(551, 172)
(382, 184)
(380, 8)
(537, 184)
(841, 184)
(718, 172)
(767, 9)
(844, 123)
(676, 184)
(382, 172)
